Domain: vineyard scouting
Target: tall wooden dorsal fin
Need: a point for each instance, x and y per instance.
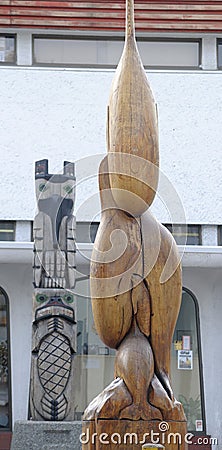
(132, 132)
(130, 24)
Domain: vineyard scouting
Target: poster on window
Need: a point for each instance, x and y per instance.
(186, 342)
(199, 425)
(185, 360)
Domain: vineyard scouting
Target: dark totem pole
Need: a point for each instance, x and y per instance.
(54, 315)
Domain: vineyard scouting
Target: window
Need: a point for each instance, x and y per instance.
(7, 49)
(72, 51)
(5, 394)
(94, 362)
(185, 234)
(220, 235)
(106, 51)
(219, 53)
(7, 231)
(86, 231)
(170, 53)
(187, 377)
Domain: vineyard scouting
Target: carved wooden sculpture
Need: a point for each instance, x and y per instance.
(135, 270)
(54, 316)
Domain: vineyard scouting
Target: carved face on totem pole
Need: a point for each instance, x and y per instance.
(54, 227)
(54, 315)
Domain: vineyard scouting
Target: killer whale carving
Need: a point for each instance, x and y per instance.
(135, 268)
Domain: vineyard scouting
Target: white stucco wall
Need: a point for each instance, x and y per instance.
(61, 114)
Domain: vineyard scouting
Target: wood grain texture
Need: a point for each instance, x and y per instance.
(146, 284)
(135, 270)
(132, 131)
(153, 304)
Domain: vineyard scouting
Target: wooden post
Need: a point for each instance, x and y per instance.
(54, 315)
(135, 273)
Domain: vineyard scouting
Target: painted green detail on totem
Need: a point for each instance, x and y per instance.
(68, 189)
(42, 187)
(40, 298)
(68, 298)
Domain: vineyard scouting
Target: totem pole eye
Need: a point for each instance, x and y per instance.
(42, 187)
(40, 298)
(68, 298)
(68, 189)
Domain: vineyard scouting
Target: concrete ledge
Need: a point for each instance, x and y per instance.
(192, 255)
(30, 435)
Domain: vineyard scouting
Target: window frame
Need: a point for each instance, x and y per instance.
(199, 346)
(14, 62)
(9, 428)
(219, 42)
(13, 231)
(119, 38)
(89, 231)
(76, 38)
(219, 230)
(170, 227)
(185, 40)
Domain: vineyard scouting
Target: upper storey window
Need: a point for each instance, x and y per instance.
(170, 53)
(106, 52)
(7, 230)
(219, 53)
(7, 49)
(220, 235)
(189, 234)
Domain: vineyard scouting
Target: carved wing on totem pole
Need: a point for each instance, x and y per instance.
(135, 269)
(54, 313)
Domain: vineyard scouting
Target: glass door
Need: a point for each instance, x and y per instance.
(5, 413)
(186, 365)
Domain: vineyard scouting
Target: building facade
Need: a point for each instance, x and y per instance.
(57, 61)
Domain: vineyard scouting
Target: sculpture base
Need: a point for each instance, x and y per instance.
(127, 434)
(31, 435)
